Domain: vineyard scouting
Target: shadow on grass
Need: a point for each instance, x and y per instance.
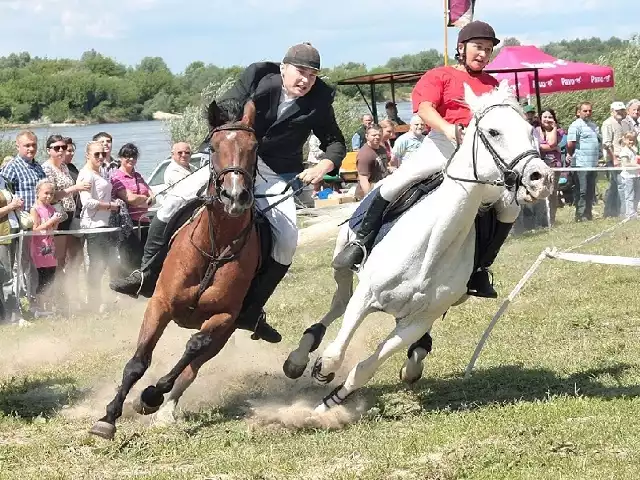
(29, 398)
(495, 386)
(509, 384)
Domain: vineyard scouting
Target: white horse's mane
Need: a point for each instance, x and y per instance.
(501, 95)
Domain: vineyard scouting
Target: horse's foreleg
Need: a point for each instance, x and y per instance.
(404, 334)
(358, 308)
(156, 319)
(213, 335)
(298, 359)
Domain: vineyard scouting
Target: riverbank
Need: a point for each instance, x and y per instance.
(157, 116)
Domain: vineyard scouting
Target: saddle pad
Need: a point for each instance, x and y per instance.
(410, 197)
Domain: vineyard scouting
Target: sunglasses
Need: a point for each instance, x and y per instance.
(99, 154)
(57, 148)
(184, 153)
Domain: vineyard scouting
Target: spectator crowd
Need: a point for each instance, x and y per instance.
(71, 207)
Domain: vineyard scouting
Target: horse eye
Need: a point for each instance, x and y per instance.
(494, 133)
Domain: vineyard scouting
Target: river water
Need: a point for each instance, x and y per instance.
(151, 137)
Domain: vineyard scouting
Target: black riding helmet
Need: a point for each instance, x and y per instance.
(472, 31)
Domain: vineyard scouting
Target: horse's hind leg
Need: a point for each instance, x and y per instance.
(406, 332)
(213, 335)
(328, 364)
(156, 319)
(298, 359)
(166, 414)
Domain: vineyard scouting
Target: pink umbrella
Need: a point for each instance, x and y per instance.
(554, 75)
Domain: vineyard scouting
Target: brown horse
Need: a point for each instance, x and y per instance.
(206, 274)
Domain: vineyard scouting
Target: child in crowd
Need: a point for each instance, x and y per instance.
(629, 158)
(43, 252)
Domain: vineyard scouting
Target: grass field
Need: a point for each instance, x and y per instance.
(554, 394)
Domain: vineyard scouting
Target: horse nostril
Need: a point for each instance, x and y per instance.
(535, 176)
(244, 197)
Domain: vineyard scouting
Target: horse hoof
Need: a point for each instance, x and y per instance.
(410, 373)
(141, 408)
(103, 430)
(294, 368)
(317, 374)
(320, 409)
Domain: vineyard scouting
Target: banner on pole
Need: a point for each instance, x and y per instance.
(460, 12)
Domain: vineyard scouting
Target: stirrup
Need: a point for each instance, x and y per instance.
(262, 317)
(141, 280)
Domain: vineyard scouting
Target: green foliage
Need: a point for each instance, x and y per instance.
(98, 88)
(58, 111)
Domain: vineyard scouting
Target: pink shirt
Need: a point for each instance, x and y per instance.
(43, 250)
(131, 183)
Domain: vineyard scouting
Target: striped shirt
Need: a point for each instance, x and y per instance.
(24, 175)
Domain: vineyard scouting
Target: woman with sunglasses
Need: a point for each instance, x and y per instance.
(65, 190)
(96, 209)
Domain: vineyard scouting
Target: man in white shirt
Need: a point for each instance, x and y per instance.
(409, 142)
(179, 167)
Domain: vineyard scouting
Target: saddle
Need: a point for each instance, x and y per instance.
(485, 222)
(187, 213)
(414, 194)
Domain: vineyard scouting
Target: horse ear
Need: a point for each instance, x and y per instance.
(470, 97)
(215, 116)
(249, 114)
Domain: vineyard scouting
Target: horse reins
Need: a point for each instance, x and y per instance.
(509, 178)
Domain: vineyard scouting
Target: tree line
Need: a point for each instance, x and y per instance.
(97, 88)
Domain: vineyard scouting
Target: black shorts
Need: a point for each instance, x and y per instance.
(67, 223)
(45, 277)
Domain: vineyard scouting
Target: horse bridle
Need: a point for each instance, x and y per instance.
(218, 176)
(509, 178)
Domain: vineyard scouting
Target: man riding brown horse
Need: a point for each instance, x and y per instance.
(291, 102)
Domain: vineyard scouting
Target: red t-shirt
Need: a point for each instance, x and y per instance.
(444, 87)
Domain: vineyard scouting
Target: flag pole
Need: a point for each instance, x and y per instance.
(446, 32)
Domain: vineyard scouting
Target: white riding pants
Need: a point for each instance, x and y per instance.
(282, 217)
(429, 159)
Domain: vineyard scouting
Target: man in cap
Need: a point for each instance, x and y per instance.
(392, 113)
(613, 128)
(530, 114)
(291, 102)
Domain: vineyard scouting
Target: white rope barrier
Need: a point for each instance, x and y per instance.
(553, 253)
(502, 309)
(589, 258)
(593, 169)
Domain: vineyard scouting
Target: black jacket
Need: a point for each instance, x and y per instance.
(281, 141)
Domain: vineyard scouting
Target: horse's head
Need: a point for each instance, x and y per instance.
(233, 164)
(500, 142)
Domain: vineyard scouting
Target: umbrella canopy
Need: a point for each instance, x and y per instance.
(554, 75)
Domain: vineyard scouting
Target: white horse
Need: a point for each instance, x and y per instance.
(422, 266)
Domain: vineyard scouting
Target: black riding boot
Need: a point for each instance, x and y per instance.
(479, 284)
(152, 259)
(252, 316)
(354, 253)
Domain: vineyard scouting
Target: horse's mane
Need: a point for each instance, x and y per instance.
(231, 110)
(501, 95)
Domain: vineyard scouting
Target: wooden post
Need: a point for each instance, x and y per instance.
(446, 31)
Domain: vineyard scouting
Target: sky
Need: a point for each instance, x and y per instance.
(239, 32)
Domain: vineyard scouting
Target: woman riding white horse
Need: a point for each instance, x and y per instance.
(438, 99)
(422, 266)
